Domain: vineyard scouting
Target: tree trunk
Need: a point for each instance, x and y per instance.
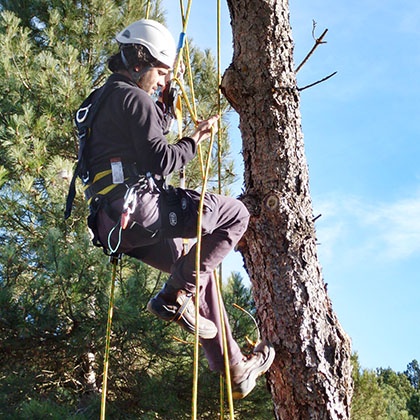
(311, 375)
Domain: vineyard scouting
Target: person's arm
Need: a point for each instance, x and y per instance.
(153, 153)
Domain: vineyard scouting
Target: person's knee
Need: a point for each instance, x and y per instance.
(242, 215)
(243, 212)
(232, 214)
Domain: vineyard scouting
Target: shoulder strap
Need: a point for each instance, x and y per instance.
(84, 118)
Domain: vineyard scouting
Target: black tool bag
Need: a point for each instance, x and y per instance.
(175, 211)
(98, 202)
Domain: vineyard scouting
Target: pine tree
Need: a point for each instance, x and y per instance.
(413, 374)
(382, 394)
(368, 398)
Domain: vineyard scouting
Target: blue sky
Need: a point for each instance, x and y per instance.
(361, 131)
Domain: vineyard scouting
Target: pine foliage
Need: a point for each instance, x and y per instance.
(384, 394)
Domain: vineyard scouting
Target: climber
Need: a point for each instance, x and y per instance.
(135, 213)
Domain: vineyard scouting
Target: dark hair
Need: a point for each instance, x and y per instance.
(135, 54)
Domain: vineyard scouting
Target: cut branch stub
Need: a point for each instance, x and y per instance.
(272, 201)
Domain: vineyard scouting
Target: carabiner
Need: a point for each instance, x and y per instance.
(130, 203)
(82, 118)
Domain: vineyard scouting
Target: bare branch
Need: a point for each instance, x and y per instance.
(319, 81)
(316, 218)
(317, 42)
(313, 29)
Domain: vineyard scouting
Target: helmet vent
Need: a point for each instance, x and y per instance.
(126, 34)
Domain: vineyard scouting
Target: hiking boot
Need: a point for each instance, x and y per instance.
(177, 305)
(244, 375)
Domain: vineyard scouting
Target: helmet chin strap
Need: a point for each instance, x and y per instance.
(135, 75)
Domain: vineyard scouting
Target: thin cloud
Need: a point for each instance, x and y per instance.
(380, 230)
(399, 227)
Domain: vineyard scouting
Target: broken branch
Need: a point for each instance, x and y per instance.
(317, 42)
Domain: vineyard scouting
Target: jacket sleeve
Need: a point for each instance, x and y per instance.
(153, 153)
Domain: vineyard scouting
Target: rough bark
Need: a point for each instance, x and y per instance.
(311, 375)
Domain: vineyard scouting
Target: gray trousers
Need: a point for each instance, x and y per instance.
(225, 220)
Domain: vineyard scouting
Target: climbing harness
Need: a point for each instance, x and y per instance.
(112, 180)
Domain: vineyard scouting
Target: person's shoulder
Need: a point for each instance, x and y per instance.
(123, 85)
(129, 94)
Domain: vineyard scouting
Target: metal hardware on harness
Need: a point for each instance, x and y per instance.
(85, 178)
(84, 110)
(130, 198)
(130, 203)
(150, 181)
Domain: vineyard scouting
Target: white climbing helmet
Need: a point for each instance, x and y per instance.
(154, 36)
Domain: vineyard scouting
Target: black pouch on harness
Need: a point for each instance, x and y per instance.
(174, 208)
(101, 202)
(96, 204)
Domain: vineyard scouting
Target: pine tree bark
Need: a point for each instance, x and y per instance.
(311, 375)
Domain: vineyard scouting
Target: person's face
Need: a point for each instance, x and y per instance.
(154, 79)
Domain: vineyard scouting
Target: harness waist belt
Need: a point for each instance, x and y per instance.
(102, 182)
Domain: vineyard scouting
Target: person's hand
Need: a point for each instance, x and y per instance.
(203, 129)
(168, 97)
(181, 69)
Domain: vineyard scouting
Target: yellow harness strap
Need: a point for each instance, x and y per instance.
(105, 190)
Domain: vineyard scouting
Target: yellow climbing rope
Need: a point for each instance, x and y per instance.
(191, 85)
(148, 9)
(219, 277)
(198, 254)
(219, 104)
(197, 270)
(205, 169)
(114, 261)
